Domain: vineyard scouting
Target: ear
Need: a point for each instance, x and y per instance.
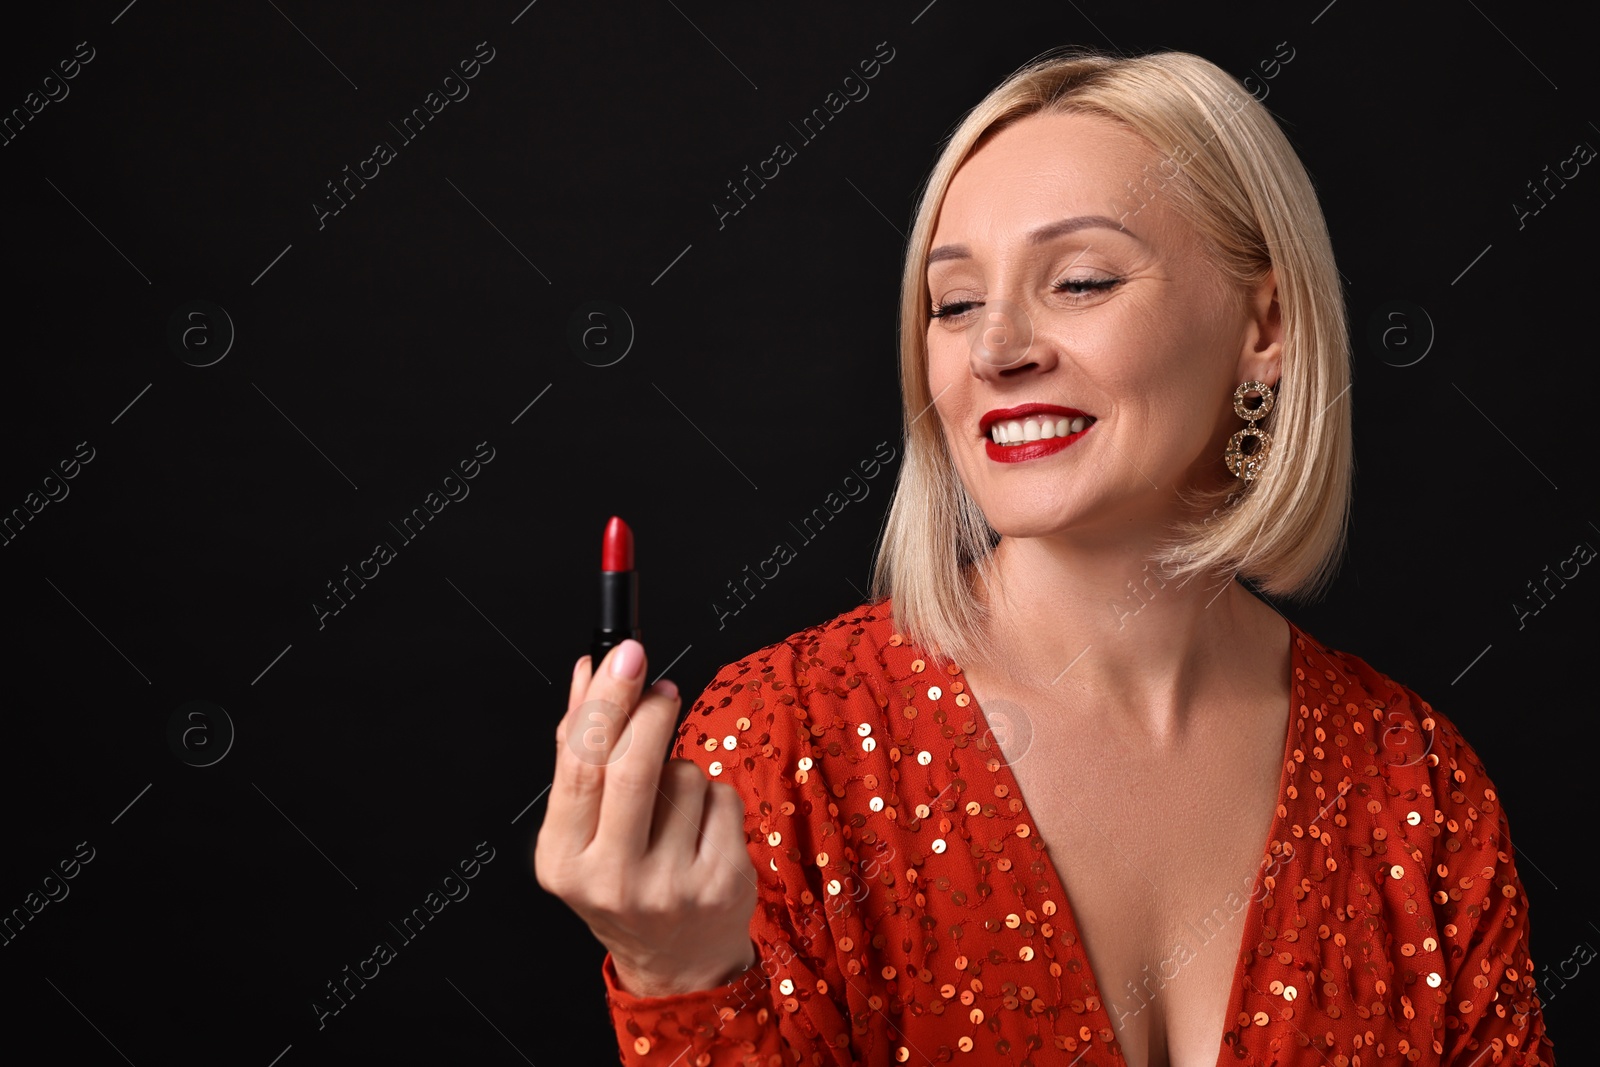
(1260, 357)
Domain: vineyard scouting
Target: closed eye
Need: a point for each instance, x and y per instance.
(1072, 287)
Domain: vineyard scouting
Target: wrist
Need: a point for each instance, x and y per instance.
(653, 982)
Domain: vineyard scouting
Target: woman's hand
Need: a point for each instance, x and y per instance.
(652, 856)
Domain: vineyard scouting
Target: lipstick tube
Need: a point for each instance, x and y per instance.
(619, 592)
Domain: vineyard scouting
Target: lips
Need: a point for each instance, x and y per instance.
(1032, 431)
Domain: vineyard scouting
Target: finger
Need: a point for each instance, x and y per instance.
(619, 679)
(586, 739)
(582, 671)
(580, 682)
(722, 831)
(633, 776)
(680, 803)
(598, 703)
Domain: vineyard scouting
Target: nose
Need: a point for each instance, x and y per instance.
(1002, 342)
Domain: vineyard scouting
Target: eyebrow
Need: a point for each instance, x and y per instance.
(1043, 234)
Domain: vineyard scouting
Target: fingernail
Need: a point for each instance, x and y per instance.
(666, 687)
(628, 660)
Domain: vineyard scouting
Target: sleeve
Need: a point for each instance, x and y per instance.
(749, 729)
(1490, 1005)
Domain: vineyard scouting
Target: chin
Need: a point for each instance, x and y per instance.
(1048, 515)
(1039, 521)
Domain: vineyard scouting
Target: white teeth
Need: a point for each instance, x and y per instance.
(1036, 428)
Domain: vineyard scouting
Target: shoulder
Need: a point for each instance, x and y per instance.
(1422, 851)
(792, 691)
(1416, 811)
(813, 733)
(1404, 739)
(1422, 809)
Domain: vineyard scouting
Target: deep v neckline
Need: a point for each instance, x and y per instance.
(1253, 914)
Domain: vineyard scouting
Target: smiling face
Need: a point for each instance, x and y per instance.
(1124, 336)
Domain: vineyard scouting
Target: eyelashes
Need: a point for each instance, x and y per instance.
(1077, 288)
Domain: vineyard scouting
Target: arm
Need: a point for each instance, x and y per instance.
(1492, 1013)
(792, 1002)
(648, 854)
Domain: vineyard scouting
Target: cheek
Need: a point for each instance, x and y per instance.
(941, 375)
(942, 353)
(947, 365)
(1161, 379)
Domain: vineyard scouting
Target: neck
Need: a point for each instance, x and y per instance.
(1098, 627)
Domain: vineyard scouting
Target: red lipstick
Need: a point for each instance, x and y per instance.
(619, 592)
(1044, 446)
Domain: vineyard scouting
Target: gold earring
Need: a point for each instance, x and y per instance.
(1247, 465)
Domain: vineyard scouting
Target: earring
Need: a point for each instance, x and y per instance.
(1247, 465)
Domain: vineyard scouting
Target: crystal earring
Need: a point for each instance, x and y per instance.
(1247, 465)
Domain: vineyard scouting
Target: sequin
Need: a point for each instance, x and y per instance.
(907, 876)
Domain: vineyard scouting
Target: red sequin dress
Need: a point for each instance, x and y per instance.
(908, 914)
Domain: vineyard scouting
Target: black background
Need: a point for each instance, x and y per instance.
(374, 353)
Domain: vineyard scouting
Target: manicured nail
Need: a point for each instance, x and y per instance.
(627, 661)
(666, 687)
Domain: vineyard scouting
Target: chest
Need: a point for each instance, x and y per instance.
(1158, 852)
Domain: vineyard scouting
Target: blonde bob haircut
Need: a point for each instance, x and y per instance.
(1226, 168)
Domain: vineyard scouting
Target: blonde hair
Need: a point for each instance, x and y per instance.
(1230, 171)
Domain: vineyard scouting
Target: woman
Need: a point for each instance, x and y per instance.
(1121, 306)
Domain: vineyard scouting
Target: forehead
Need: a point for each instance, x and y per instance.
(1041, 168)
